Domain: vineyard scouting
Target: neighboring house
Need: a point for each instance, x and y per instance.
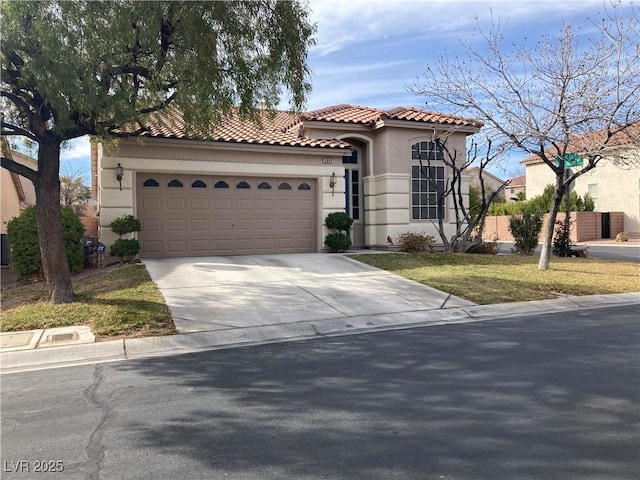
(268, 190)
(17, 193)
(491, 182)
(614, 184)
(515, 187)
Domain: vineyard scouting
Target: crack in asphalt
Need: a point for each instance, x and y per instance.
(95, 448)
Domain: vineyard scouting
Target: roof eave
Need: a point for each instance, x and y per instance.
(419, 125)
(342, 149)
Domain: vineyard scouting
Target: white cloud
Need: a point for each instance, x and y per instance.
(344, 23)
(76, 148)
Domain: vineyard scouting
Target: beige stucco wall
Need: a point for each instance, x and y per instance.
(10, 201)
(185, 157)
(491, 182)
(511, 193)
(618, 188)
(388, 195)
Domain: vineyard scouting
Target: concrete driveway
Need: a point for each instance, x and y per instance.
(220, 293)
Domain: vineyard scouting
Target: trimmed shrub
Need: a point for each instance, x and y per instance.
(337, 242)
(415, 242)
(126, 249)
(22, 234)
(525, 230)
(125, 224)
(339, 221)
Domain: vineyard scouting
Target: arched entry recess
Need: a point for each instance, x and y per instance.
(357, 166)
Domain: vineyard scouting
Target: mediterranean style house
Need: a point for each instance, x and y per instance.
(249, 189)
(614, 184)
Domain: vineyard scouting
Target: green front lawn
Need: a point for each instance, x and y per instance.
(488, 279)
(115, 301)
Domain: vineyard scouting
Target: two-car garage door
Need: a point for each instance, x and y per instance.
(191, 215)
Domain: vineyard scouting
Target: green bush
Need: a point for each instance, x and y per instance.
(339, 221)
(126, 224)
(589, 204)
(337, 242)
(415, 242)
(126, 249)
(22, 234)
(542, 204)
(562, 242)
(525, 230)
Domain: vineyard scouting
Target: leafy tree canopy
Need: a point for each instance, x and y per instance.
(78, 67)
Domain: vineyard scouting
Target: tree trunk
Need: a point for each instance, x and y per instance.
(545, 255)
(49, 223)
(567, 201)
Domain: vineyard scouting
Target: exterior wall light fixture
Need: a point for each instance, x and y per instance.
(119, 174)
(332, 183)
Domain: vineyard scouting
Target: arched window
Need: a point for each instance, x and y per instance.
(221, 184)
(198, 184)
(304, 186)
(175, 183)
(284, 186)
(243, 184)
(264, 186)
(150, 182)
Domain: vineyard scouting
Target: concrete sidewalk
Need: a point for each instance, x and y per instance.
(133, 348)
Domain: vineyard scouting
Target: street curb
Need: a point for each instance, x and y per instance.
(139, 348)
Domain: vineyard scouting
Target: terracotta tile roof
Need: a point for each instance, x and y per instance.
(588, 141)
(520, 181)
(368, 116)
(286, 128)
(282, 130)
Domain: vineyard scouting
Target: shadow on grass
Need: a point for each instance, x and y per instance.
(121, 301)
(524, 399)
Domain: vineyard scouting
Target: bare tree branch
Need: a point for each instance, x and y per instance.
(10, 130)
(18, 168)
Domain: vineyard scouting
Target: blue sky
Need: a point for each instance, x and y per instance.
(369, 51)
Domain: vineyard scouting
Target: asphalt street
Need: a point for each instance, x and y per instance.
(554, 396)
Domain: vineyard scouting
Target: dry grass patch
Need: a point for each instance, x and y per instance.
(489, 279)
(116, 301)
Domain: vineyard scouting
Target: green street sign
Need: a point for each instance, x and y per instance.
(570, 160)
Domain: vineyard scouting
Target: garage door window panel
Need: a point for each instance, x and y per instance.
(175, 184)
